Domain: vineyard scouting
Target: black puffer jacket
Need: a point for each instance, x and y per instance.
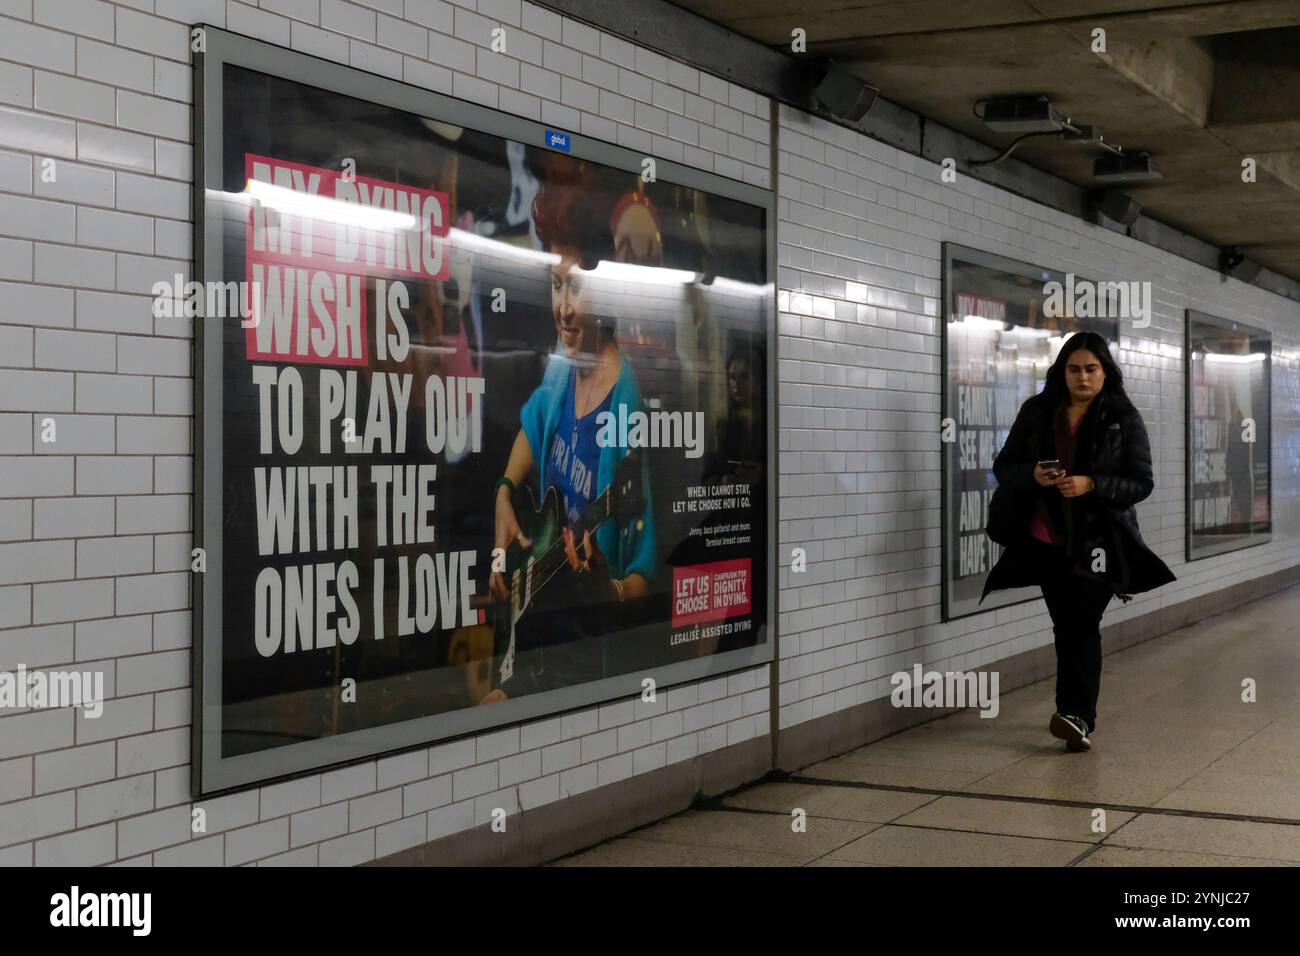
(1113, 449)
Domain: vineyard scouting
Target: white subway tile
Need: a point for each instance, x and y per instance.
(347, 18)
(351, 850)
(112, 65)
(139, 355)
(475, 90)
(113, 475)
(42, 645)
(73, 518)
(317, 42)
(28, 43)
(89, 17)
(103, 557)
(114, 147)
(37, 219)
(153, 114)
(318, 824)
(139, 31)
(74, 767)
(174, 160)
(374, 59)
(401, 36)
(148, 673)
(113, 800)
(307, 10)
(451, 53)
(434, 14)
(81, 351)
(16, 263)
(72, 97)
(15, 602)
(16, 84)
(173, 81)
(71, 265)
(38, 817)
(193, 11)
(543, 22)
(153, 592)
(36, 391)
(35, 732)
(400, 835)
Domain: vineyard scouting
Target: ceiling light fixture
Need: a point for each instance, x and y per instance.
(1083, 133)
(1233, 262)
(843, 95)
(1116, 206)
(1032, 115)
(1021, 114)
(1125, 168)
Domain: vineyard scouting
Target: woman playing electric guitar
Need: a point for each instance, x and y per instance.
(587, 374)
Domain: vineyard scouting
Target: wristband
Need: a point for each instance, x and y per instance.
(618, 586)
(504, 482)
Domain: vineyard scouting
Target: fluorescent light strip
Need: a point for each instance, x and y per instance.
(311, 206)
(367, 217)
(723, 284)
(495, 247)
(627, 272)
(1234, 359)
(973, 322)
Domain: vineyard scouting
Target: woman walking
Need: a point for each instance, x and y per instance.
(1075, 463)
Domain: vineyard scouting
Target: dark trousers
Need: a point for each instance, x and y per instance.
(1076, 605)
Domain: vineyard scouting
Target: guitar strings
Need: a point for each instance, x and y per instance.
(557, 546)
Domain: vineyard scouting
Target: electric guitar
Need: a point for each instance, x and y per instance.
(534, 571)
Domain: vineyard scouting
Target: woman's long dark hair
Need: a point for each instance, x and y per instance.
(1056, 391)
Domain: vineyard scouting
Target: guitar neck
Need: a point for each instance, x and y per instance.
(597, 514)
(544, 567)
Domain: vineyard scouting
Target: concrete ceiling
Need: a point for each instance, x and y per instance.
(1199, 84)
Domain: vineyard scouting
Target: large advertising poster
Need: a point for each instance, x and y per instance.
(1004, 323)
(1228, 440)
(488, 437)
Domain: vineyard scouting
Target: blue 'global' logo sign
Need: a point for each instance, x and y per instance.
(558, 141)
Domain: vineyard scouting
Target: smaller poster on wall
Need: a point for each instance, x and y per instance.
(1228, 441)
(1004, 323)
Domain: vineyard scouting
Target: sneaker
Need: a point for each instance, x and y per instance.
(1073, 730)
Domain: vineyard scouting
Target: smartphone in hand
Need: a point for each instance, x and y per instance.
(1053, 468)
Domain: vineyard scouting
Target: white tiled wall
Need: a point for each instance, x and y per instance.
(95, 528)
(859, 286)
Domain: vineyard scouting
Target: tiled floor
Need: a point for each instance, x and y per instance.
(1183, 772)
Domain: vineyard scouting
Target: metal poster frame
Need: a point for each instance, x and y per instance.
(211, 772)
(956, 252)
(1192, 553)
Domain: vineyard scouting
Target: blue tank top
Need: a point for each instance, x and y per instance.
(574, 454)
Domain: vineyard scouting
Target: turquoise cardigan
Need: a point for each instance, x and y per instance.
(629, 549)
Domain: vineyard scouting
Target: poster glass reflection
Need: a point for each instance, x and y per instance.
(1228, 440)
(1003, 324)
(491, 440)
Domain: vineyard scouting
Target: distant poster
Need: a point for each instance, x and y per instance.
(1228, 442)
(488, 438)
(1004, 323)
